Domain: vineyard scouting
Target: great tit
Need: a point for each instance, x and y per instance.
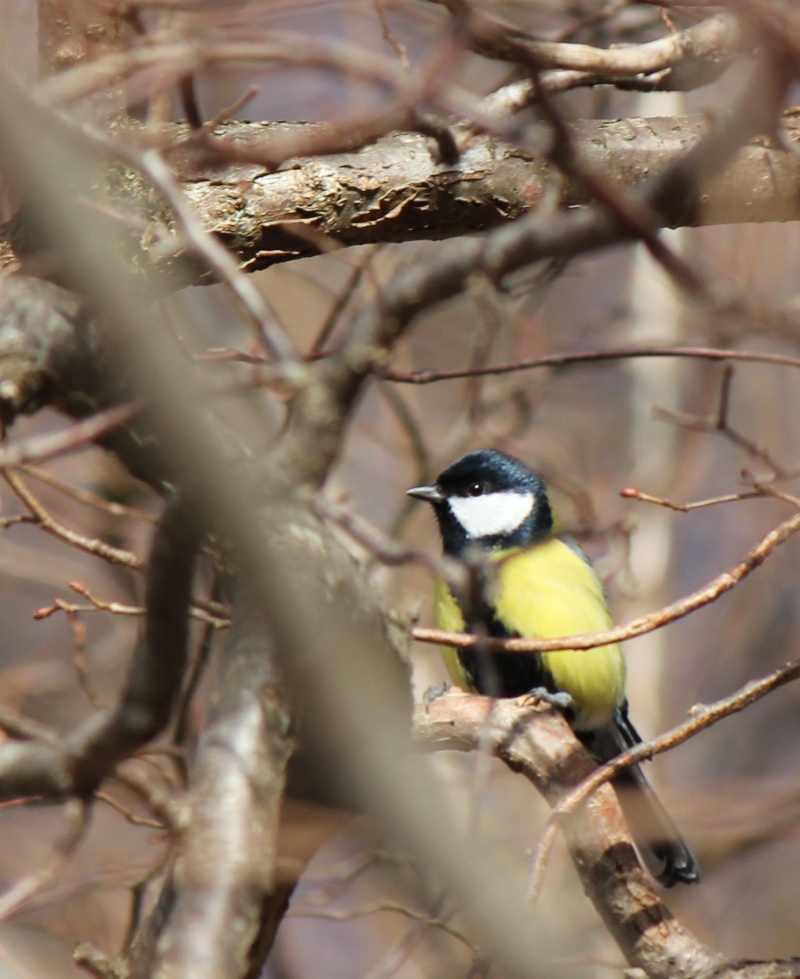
(492, 506)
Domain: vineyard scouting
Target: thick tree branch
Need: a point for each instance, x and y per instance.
(540, 745)
(224, 900)
(268, 216)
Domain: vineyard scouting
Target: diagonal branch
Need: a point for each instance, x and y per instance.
(637, 627)
(539, 744)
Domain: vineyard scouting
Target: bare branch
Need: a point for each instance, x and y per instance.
(216, 920)
(630, 493)
(85, 497)
(253, 304)
(719, 422)
(703, 716)
(637, 627)
(709, 48)
(48, 523)
(539, 744)
(262, 216)
(79, 763)
(424, 376)
(43, 447)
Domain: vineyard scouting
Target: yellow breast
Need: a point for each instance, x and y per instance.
(545, 592)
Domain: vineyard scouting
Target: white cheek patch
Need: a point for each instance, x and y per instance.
(493, 514)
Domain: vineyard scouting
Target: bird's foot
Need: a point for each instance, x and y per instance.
(561, 700)
(433, 692)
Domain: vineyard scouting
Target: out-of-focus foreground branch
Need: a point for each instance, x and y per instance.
(313, 653)
(309, 614)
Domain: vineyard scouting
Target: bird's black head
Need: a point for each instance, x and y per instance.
(490, 500)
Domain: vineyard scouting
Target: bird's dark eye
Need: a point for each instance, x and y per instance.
(476, 489)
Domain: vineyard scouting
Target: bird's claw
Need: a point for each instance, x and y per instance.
(433, 692)
(560, 700)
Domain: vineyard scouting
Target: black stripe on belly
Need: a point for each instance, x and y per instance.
(504, 674)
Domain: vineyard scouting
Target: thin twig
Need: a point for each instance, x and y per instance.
(587, 357)
(703, 716)
(388, 34)
(87, 498)
(197, 668)
(636, 627)
(380, 907)
(718, 422)
(80, 661)
(25, 728)
(128, 814)
(48, 523)
(344, 296)
(170, 814)
(39, 448)
(630, 493)
(539, 864)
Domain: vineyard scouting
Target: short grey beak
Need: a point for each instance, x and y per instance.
(430, 493)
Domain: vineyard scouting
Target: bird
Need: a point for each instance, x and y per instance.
(538, 583)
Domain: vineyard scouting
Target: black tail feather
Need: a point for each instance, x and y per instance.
(667, 855)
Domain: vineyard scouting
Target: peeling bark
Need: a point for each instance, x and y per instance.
(396, 189)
